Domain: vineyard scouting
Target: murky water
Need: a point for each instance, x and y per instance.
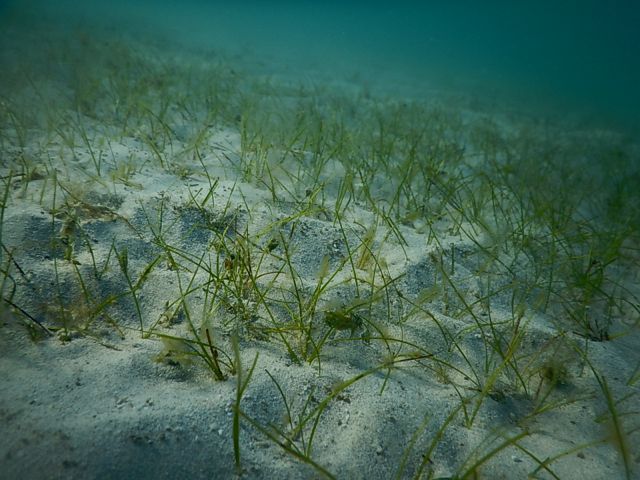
(579, 57)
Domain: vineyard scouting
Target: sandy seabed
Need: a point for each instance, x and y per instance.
(372, 346)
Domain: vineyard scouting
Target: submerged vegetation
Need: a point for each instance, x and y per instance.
(487, 254)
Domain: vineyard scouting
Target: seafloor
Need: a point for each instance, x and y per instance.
(208, 270)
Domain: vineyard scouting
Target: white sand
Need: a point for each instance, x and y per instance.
(102, 408)
(90, 403)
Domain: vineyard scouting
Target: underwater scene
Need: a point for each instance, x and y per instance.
(303, 239)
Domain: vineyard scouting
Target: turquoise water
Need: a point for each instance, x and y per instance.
(579, 57)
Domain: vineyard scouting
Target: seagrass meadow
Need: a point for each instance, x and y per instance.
(215, 265)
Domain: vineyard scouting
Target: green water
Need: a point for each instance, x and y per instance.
(579, 58)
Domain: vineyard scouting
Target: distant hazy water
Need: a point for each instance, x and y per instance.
(581, 55)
